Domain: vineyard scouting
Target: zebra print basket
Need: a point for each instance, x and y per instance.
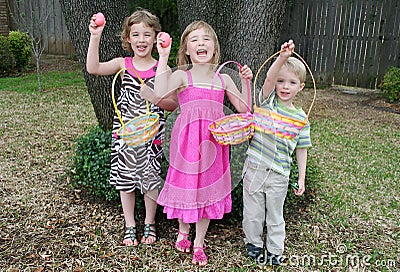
(140, 129)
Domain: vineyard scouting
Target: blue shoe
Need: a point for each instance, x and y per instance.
(273, 259)
(255, 252)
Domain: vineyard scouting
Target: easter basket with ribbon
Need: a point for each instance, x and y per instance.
(140, 129)
(272, 122)
(234, 128)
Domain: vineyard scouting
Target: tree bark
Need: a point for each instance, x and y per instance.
(77, 14)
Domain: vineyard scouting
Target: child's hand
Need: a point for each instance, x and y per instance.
(287, 49)
(302, 188)
(94, 28)
(163, 51)
(246, 72)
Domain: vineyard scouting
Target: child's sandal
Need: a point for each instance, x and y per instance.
(130, 236)
(183, 244)
(149, 230)
(199, 256)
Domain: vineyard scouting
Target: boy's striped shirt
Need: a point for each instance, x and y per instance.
(274, 152)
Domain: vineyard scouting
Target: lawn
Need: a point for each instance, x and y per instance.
(347, 221)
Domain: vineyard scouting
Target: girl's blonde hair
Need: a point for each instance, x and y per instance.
(296, 66)
(184, 60)
(139, 16)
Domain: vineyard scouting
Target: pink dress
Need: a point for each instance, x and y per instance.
(198, 182)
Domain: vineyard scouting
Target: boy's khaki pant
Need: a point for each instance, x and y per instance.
(264, 193)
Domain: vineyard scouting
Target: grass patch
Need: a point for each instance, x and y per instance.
(52, 80)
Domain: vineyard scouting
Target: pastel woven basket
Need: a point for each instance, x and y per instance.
(271, 122)
(141, 129)
(235, 128)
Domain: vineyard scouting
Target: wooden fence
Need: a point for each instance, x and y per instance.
(45, 16)
(346, 42)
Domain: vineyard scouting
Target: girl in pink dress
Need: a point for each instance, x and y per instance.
(198, 183)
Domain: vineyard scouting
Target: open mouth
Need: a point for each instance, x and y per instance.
(201, 52)
(141, 47)
(285, 93)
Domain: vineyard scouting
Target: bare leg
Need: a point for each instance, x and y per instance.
(128, 207)
(151, 209)
(183, 228)
(201, 230)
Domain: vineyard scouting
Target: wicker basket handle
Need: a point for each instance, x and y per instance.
(305, 64)
(247, 81)
(113, 92)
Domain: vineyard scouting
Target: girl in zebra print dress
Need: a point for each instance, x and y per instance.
(134, 168)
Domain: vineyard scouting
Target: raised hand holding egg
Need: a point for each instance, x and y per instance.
(99, 19)
(166, 39)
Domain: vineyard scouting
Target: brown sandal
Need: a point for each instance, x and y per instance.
(149, 230)
(130, 234)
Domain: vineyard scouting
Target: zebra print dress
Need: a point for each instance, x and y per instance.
(134, 168)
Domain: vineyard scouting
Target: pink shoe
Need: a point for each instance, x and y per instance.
(183, 244)
(199, 256)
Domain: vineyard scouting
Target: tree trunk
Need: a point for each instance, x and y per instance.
(77, 14)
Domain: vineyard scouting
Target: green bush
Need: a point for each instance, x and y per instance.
(91, 169)
(21, 47)
(391, 84)
(7, 63)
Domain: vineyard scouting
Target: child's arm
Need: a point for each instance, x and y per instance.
(166, 83)
(269, 84)
(239, 99)
(93, 65)
(163, 72)
(168, 103)
(301, 156)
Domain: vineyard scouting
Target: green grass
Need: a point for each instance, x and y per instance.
(51, 80)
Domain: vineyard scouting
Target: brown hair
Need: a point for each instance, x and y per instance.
(139, 16)
(181, 57)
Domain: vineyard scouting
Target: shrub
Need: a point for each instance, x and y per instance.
(21, 47)
(391, 84)
(91, 169)
(7, 63)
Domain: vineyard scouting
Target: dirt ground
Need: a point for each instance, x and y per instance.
(56, 63)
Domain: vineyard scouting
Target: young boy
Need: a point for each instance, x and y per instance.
(267, 167)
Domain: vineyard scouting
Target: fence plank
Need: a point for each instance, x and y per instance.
(351, 75)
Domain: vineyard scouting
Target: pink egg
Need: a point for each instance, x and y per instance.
(166, 39)
(99, 19)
